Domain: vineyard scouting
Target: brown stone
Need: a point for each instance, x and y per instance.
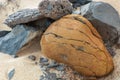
(74, 41)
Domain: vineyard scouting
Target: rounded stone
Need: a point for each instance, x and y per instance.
(74, 41)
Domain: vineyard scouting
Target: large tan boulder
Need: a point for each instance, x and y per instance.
(74, 41)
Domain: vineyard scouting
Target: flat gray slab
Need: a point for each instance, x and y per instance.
(23, 16)
(14, 40)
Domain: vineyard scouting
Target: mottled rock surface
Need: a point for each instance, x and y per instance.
(74, 41)
(55, 9)
(105, 19)
(23, 16)
(14, 40)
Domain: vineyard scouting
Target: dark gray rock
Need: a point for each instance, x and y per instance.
(55, 9)
(17, 38)
(78, 3)
(32, 57)
(23, 16)
(49, 76)
(11, 74)
(42, 60)
(3, 33)
(105, 19)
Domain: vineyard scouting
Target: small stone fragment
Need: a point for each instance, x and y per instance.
(42, 60)
(32, 57)
(11, 74)
(53, 64)
(55, 9)
(60, 68)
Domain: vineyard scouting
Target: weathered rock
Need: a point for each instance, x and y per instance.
(17, 38)
(3, 33)
(74, 41)
(77, 3)
(55, 9)
(105, 19)
(23, 16)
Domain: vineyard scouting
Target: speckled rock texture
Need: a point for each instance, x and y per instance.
(55, 9)
(23, 16)
(105, 19)
(74, 41)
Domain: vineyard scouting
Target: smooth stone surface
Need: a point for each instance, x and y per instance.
(105, 19)
(17, 38)
(23, 16)
(72, 40)
(55, 9)
(11, 74)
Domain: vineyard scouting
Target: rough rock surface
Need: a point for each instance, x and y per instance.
(14, 40)
(55, 9)
(57, 71)
(73, 46)
(23, 16)
(105, 19)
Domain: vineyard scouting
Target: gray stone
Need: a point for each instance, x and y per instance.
(42, 60)
(17, 38)
(3, 33)
(105, 19)
(55, 9)
(23, 16)
(11, 74)
(78, 3)
(32, 57)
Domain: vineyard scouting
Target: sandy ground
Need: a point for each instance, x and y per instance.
(26, 69)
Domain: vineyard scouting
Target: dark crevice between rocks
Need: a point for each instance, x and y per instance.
(41, 24)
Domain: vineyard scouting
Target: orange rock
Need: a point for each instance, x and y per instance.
(74, 41)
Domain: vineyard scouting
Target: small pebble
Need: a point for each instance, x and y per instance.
(42, 60)
(60, 68)
(32, 57)
(11, 74)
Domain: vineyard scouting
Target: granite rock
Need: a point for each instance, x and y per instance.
(105, 19)
(55, 9)
(17, 38)
(23, 16)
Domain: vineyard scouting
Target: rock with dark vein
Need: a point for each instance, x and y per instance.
(105, 19)
(72, 40)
